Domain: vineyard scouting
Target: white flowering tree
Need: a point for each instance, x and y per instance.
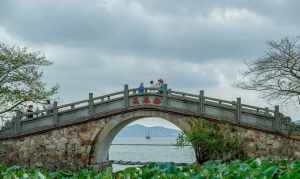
(20, 78)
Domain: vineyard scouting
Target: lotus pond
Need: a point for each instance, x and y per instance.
(255, 168)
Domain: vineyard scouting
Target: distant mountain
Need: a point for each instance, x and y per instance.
(141, 131)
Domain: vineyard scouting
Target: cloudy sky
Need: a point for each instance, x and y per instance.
(99, 45)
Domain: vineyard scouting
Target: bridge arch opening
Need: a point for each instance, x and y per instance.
(104, 139)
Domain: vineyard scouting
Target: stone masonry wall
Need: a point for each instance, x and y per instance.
(71, 147)
(62, 148)
(263, 144)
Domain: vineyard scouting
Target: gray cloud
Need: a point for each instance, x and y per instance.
(99, 45)
(194, 30)
(103, 73)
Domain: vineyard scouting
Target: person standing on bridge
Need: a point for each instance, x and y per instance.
(152, 85)
(161, 85)
(48, 107)
(29, 112)
(141, 89)
(157, 84)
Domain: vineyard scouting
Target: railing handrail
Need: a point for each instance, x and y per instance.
(257, 108)
(220, 101)
(147, 90)
(72, 104)
(185, 95)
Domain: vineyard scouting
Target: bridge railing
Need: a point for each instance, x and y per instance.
(277, 118)
(91, 101)
(24, 116)
(244, 107)
(126, 93)
(74, 105)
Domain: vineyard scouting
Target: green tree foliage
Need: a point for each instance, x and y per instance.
(20, 78)
(210, 142)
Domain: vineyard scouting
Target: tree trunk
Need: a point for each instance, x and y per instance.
(201, 155)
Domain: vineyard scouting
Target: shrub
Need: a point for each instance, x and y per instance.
(211, 143)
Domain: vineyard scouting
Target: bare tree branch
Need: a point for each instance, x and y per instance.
(276, 75)
(12, 107)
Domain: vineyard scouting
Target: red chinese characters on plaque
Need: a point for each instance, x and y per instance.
(146, 100)
(156, 101)
(139, 100)
(135, 100)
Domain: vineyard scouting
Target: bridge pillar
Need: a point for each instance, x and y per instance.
(201, 107)
(267, 111)
(55, 114)
(165, 94)
(17, 123)
(276, 120)
(238, 109)
(91, 103)
(126, 96)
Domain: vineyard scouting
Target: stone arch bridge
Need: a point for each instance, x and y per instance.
(79, 134)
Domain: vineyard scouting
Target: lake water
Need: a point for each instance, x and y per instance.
(149, 153)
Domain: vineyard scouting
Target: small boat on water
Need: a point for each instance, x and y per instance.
(148, 137)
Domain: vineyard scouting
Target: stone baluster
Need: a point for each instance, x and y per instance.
(72, 106)
(55, 114)
(2, 123)
(165, 94)
(238, 109)
(126, 96)
(91, 103)
(276, 120)
(267, 111)
(201, 108)
(17, 123)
